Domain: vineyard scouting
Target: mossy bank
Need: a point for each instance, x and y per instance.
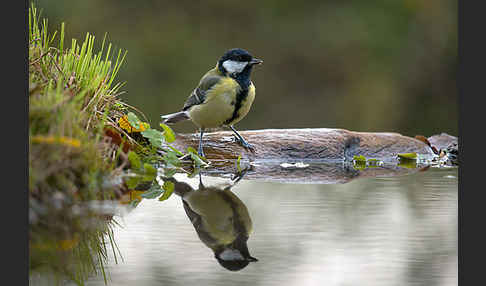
(86, 147)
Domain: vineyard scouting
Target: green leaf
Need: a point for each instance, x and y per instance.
(176, 151)
(372, 163)
(156, 143)
(171, 159)
(150, 173)
(168, 190)
(359, 162)
(194, 173)
(238, 165)
(168, 133)
(195, 157)
(155, 137)
(148, 178)
(408, 156)
(134, 203)
(152, 133)
(359, 158)
(152, 193)
(409, 164)
(169, 172)
(134, 160)
(132, 182)
(133, 120)
(149, 169)
(191, 150)
(359, 165)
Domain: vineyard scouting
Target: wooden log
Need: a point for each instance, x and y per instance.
(326, 154)
(305, 144)
(443, 141)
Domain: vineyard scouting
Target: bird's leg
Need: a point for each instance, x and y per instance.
(201, 186)
(200, 149)
(241, 139)
(235, 178)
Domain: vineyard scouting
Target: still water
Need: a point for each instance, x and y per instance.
(399, 230)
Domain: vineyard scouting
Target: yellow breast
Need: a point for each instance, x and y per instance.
(218, 106)
(216, 215)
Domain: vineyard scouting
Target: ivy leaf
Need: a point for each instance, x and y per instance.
(168, 190)
(171, 159)
(155, 137)
(168, 133)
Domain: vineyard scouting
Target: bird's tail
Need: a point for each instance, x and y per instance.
(175, 117)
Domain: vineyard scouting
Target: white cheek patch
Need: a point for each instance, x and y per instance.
(231, 254)
(234, 66)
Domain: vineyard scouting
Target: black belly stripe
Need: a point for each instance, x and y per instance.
(240, 96)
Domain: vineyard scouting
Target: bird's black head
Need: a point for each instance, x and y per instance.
(233, 265)
(237, 61)
(235, 256)
(237, 55)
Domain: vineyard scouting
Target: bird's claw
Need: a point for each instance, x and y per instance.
(245, 144)
(235, 178)
(201, 154)
(248, 146)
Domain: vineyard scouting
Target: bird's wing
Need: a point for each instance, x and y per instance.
(196, 221)
(198, 95)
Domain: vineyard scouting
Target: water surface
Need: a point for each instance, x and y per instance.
(369, 231)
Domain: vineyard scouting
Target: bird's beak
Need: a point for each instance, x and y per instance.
(255, 61)
(252, 259)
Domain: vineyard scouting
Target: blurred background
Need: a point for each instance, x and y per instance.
(359, 65)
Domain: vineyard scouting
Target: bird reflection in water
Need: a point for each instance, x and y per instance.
(220, 219)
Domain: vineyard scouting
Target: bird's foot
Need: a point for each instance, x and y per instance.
(235, 178)
(200, 152)
(245, 144)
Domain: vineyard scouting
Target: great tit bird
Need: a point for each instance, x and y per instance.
(221, 221)
(222, 98)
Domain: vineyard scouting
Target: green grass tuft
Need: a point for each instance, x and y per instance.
(85, 145)
(73, 97)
